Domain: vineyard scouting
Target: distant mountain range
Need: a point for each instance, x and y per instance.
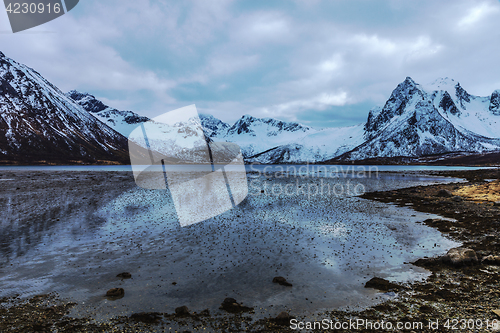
(40, 123)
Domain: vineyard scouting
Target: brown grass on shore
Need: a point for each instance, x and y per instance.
(489, 192)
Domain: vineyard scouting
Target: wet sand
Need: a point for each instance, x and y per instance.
(107, 187)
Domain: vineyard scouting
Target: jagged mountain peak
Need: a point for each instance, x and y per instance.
(409, 81)
(77, 95)
(208, 116)
(88, 101)
(242, 125)
(442, 83)
(445, 94)
(395, 106)
(441, 118)
(2, 55)
(247, 117)
(212, 126)
(454, 89)
(121, 121)
(407, 87)
(251, 125)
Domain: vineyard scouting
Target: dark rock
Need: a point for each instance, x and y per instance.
(497, 203)
(146, 317)
(495, 102)
(182, 311)
(444, 193)
(491, 260)
(230, 305)
(457, 198)
(124, 275)
(427, 262)
(383, 285)
(446, 294)
(205, 313)
(460, 256)
(282, 281)
(115, 292)
(383, 307)
(283, 319)
(448, 105)
(426, 309)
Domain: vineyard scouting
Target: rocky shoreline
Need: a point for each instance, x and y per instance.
(453, 292)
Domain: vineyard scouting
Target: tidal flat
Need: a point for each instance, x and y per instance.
(69, 233)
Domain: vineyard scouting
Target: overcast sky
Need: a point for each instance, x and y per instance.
(321, 63)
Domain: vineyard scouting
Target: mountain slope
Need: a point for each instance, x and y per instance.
(438, 119)
(39, 123)
(253, 135)
(213, 126)
(416, 120)
(314, 147)
(183, 141)
(256, 135)
(124, 122)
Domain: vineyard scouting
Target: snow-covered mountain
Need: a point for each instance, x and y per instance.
(256, 135)
(40, 123)
(316, 146)
(253, 135)
(123, 122)
(182, 142)
(182, 139)
(416, 121)
(427, 120)
(213, 126)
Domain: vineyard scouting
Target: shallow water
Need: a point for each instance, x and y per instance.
(263, 168)
(73, 232)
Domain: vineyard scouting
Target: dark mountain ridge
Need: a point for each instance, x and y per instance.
(39, 124)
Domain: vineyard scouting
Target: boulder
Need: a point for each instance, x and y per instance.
(115, 292)
(282, 281)
(460, 256)
(182, 311)
(427, 262)
(230, 305)
(491, 260)
(444, 193)
(383, 285)
(124, 275)
(282, 319)
(146, 317)
(205, 313)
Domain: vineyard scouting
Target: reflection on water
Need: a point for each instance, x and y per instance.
(73, 232)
